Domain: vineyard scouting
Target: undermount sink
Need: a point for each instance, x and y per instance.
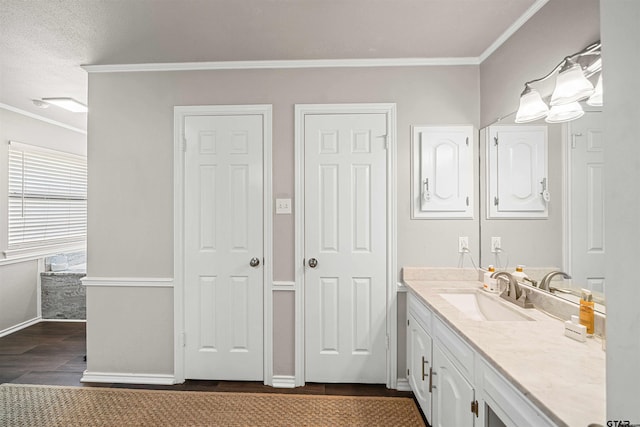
(479, 306)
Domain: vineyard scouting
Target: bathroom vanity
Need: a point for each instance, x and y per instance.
(475, 359)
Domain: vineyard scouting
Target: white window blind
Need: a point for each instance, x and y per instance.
(47, 197)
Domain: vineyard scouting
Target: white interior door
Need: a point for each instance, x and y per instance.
(345, 247)
(587, 202)
(223, 234)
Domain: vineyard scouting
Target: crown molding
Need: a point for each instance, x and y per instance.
(280, 64)
(535, 7)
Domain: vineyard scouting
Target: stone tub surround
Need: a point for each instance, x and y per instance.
(564, 378)
(62, 294)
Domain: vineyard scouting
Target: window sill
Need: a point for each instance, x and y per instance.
(12, 256)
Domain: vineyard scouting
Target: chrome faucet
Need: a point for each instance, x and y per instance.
(546, 280)
(513, 292)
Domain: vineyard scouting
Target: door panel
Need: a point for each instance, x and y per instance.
(345, 231)
(223, 231)
(587, 202)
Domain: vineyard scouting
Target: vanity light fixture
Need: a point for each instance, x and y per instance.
(572, 85)
(68, 104)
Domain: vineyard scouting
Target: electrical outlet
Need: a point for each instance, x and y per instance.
(283, 206)
(463, 244)
(496, 245)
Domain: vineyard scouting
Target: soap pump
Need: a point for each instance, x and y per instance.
(519, 274)
(490, 284)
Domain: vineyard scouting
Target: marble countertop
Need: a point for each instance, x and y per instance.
(564, 378)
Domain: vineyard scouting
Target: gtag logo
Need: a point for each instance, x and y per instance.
(618, 423)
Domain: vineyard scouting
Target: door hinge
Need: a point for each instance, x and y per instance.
(467, 141)
(496, 200)
(474, 407)
(386, 142)
(495, 140)
(407, 371)
(467, 200)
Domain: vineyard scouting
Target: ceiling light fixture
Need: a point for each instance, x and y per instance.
(40, 103)
(572, 85)
(68, 104)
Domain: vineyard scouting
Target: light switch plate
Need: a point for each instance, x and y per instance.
(283, 206)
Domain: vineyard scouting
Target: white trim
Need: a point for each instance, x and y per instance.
(392, 319)
(39, 287)
(180, 112)
(533, 9)
(127, 378)
(566, 199)
(30, 254)
(280, 64)
(19, 326)
(282, 285)
(284, 381)
(403, 385)
(41, 118)
(128, 282)
(64, 320)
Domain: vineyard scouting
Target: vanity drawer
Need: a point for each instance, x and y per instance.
(460, 353)
(421, 313)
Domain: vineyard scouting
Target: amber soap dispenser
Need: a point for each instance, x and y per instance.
(586, 311)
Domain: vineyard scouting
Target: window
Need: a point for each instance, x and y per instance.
(47, 197)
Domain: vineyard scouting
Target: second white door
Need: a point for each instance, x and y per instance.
(345, 246)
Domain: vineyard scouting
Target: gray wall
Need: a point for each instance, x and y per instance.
(131, 197)
(559, 29)
(18, 281)
(621, 60)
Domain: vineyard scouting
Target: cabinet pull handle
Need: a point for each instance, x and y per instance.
(431, 386)
(423, 363)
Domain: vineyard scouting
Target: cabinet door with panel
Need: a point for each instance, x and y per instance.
(453, 396)
(419, 364)
(517, 172)
(442, 172)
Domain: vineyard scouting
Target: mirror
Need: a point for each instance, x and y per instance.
(571, 237)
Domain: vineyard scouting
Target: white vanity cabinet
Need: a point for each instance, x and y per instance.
(454, 384)
(435, 375)
(419, 363)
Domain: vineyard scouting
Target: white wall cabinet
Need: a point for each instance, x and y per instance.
(458, 387)
(442, 172)
(517, 172)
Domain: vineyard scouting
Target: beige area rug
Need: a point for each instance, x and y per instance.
(26, 405)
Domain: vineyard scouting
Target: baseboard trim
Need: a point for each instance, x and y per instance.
(283, 381)
(403, 385)
(65, 320)
(20, 326)
(121, 378)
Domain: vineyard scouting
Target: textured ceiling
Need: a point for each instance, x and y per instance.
(44, 42)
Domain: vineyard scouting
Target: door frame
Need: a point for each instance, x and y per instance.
(179, 146)
(389, 109)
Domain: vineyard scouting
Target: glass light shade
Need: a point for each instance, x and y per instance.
(532, 107)
(571, 85)
(595, 100)
(564, 113)
(68, 104)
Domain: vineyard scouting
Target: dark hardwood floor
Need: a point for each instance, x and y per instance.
(52, 353)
